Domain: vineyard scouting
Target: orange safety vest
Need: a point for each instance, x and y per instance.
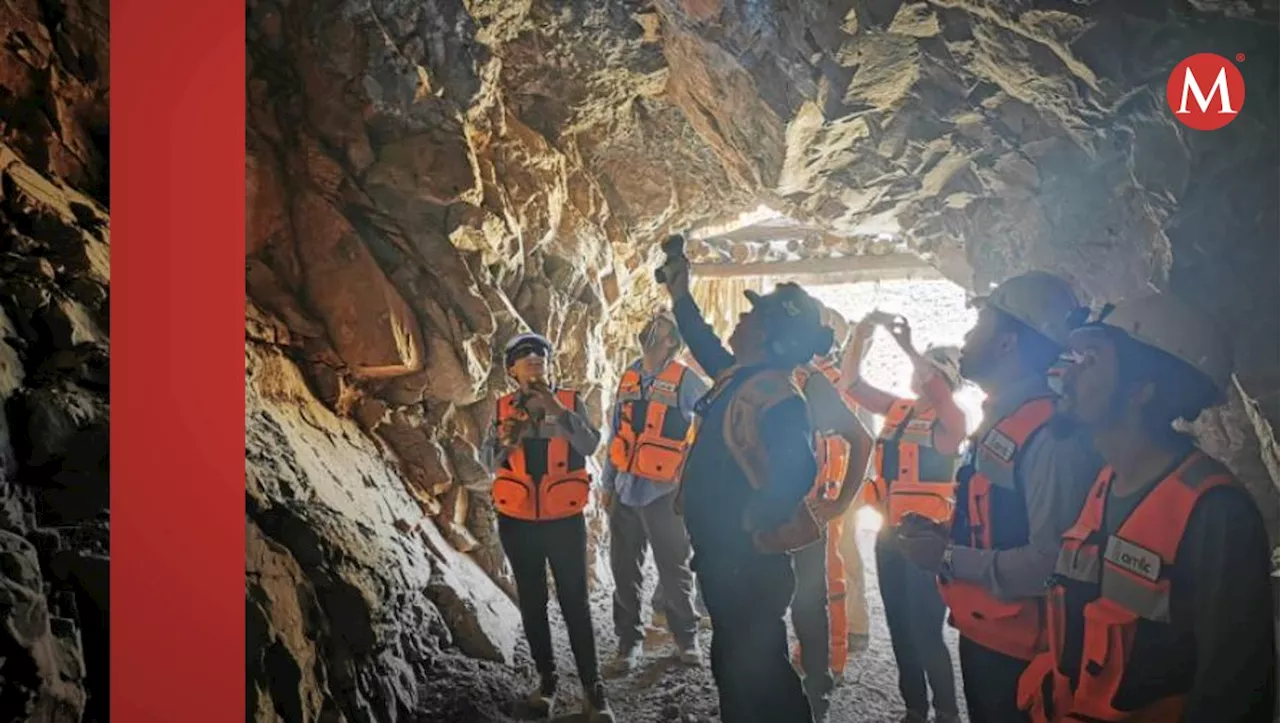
(993, 516)
(830, 450)
(543, 478)
(911, 476)
(653, 435)
(1126, 588)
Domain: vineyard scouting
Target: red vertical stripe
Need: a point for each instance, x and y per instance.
(177, 402)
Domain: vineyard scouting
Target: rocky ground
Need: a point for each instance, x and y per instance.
(662, 690)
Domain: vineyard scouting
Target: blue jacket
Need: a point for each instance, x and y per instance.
(718, 496)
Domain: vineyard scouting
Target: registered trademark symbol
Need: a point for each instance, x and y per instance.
(1239, 57)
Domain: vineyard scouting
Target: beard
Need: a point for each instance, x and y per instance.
(974, 365)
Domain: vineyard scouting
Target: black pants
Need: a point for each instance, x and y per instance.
(563, 543)
(914, 610)
(631, 530)
(990, 684)
(810, 617)
(747, 600)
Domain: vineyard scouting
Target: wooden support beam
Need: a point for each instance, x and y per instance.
(765, 232)
(842, 270)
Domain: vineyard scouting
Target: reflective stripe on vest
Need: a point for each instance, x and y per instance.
(830, 450)
(1128, 575)
(543, 478)
(911, 475)
(653, 435)
(994, 516)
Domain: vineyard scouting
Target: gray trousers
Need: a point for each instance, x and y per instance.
(631, 531)
(810, 619)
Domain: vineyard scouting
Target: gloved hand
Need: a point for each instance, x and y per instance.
(677, 271)
(922, 541)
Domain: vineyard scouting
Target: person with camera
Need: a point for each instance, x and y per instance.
(649, 441)
(916, 457)
(537, 450)
(744, 486)
(1019, 487)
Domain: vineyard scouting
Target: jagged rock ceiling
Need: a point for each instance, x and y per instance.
(424, 178)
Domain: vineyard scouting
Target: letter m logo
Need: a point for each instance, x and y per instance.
(1205, 91)
(1219, 88)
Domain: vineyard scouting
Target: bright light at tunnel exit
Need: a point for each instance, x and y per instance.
(938, 314)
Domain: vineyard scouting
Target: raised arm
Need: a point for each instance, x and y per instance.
(950, 430)
(701, 339)
(874, 400)
(703, 343)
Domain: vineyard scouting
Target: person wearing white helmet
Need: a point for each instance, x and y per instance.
(536, 450)
(1018, 489)
(1160, 602)
(916, 456)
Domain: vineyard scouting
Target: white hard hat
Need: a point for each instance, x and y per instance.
(946, 359)
(1039, 299)
(526, 342)
(1163, 322)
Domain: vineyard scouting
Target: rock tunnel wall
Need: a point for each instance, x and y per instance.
(424, 179)
(54, 350)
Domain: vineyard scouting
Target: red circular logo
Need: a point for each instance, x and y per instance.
(1205, 92)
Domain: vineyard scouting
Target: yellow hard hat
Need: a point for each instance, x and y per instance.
(1163, 322)
(1039, 299)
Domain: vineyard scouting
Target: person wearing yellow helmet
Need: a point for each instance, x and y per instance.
(1160, 604)
(1018, 488)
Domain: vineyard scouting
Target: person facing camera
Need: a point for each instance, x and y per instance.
(536, 451)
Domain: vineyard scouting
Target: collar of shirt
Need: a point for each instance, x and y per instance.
(638, 365)
(1006, 402)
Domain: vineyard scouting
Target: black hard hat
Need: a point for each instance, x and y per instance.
(792, 321)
